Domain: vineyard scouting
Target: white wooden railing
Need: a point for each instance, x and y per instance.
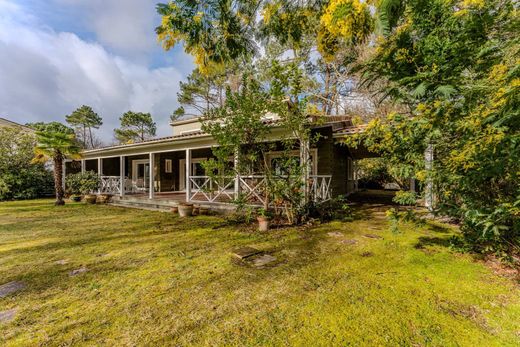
(110, 185)
(319, 188)
(211, 189)
(251, 188)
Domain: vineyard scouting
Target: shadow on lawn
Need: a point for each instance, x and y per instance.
(424, 241)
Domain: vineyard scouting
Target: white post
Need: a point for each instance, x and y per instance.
(305, 161)
(100, 170)
(122, 176)
(237, 174)
(188, 174)
(428, 193)
(83, 165)
(152, 176)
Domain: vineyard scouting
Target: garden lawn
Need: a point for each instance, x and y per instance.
(155, 279)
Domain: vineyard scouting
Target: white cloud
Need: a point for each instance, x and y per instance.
(45, 75)
(125, 26)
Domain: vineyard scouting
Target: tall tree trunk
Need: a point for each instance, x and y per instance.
(84, 136)
(58, 179)
(91, 139)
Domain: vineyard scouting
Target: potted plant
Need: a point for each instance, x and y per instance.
(263, 219)
(89, 183)
(104, 198)
(185, 210)
(73, 188)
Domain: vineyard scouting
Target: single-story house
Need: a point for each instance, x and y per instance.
(164, 171)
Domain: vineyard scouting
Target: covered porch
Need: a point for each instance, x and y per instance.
(179, 176)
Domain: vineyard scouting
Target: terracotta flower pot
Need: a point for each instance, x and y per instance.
(263, 223)
(185, 210)
(90, 198)
(104, 198)
(175, 209)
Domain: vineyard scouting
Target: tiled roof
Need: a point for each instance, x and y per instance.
(192, 134)
(351, 130)
(341, 126)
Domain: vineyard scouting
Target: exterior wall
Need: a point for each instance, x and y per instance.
(72, 167)
(181, 127)
(91, 165)
(334, 159)
(169, 182)
(110, 167)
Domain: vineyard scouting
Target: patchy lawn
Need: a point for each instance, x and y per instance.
(154, 279)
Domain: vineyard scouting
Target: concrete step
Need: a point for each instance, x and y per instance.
(166, 205)
(153, 205)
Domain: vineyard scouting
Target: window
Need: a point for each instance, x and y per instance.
(168, 166)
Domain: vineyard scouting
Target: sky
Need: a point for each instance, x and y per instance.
(56, 55)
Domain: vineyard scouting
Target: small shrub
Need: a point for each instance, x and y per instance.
(405, 198)
(82, 183)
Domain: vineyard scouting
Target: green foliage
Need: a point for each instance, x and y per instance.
(19, 178)
(135, 127)
(214, 32)
(84, 119)
(82, 183)
(56, 146)
(51, 127)
(455, 65)
(405, 198)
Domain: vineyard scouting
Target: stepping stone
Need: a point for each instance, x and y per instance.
(62, 262)
(263, 260)
(349, 242)
(78, 271)
(335, 234)
(245, 252)
(10, 288)
(372, 236)
(7, 316)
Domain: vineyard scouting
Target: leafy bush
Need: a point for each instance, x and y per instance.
(405, 198)
(19, 177)
(82, 183)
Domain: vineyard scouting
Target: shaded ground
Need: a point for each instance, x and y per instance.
(154, 279)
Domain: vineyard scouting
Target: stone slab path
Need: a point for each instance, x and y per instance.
(245, 252)
(7, 316)
(10, 288)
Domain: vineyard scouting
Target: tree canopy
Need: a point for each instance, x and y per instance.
(135, 126)
(83, 120)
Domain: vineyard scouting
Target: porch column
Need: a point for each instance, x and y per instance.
(237, 174)
(100, 170)
(428, 191)
(122, 175)
(83, 165)
(305, 162)
(152, 176)
(188, 174)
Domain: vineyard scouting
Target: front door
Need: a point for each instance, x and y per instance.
(141, 174)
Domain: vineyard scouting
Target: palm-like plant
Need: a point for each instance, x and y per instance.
(57, 146)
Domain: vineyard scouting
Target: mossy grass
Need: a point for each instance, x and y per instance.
(156, 279)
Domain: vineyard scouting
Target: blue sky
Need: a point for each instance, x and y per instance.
(57, 55)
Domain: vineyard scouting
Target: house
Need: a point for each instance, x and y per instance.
(164, 171)
(6, 123)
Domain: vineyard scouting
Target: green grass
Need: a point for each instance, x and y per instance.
(155, 279)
